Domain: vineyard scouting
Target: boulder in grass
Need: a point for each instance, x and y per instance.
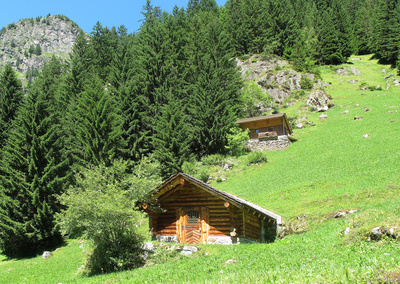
(47, 254)
(319, 100)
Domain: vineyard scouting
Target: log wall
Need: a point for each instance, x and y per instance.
(251, 226)
(215, 217)
(218, 217)
(166, 223)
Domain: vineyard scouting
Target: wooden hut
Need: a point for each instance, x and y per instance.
(195, 212)
(276, 123)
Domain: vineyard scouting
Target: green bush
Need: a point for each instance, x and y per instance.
(237, 140)
(256, 158)
(102, 208)
(213, 160)
(306, 83)
(203, 174)
(190, 167)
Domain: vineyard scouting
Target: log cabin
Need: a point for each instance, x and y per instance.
(191, 211)
(275, 123)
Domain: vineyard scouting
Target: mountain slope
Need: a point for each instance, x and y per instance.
(331, 169)
(28, 43)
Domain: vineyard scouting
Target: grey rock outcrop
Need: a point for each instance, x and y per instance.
(319, 100)
(53, 34)
(271, 76)
(347, 71)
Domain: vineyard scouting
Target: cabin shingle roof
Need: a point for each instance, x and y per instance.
(252, 119)
(239, 202)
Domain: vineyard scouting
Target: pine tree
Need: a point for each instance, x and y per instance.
(387, 31)
(172, 138)
(364, 27)
(34, 172)
(38, 50)
(11, 96)
(131, 103)
(97, 127)
(328, 39)
(103, 42)
(214, 94)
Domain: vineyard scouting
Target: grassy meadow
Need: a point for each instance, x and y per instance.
(331, 168)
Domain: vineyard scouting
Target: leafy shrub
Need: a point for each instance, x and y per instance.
(190, 167)
(102, 208)
(213, 160)
(256, 158)
(237, 140)
(306, 83)
(203, 174)
(244, 57)
(11, 26)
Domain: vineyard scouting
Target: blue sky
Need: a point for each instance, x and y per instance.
(86, 12)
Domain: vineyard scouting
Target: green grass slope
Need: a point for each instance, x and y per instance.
(330, 168)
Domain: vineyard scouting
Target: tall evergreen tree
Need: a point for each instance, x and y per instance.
(387, 31)
(214, 95)
(34, 172)
(126, 90)
(97, 128)
(11, 96)
(328, 39)
(172, 138)
(103, 43)
(364, 27)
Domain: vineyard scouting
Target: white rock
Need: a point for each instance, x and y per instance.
(377, 232)
(47, 254)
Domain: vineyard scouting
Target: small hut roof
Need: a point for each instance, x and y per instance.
(267, 117)
(239, 202)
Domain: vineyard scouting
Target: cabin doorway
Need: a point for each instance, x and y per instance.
(191, 226)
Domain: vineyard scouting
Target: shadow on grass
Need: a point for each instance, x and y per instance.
(30, 253)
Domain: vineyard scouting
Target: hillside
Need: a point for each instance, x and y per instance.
(28, 43)
(332, 186)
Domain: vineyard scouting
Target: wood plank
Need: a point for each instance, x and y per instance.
(194, 203)
(216, 219)
(221, 223)
(169, 193)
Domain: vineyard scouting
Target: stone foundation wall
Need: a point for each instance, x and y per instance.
(211, 240)
(281, 143)
(227, 240)
(166, 239)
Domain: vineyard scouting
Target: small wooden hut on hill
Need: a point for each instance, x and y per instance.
(275, 123)
(195, 212)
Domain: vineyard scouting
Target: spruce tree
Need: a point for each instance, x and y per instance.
(124, 87)
(172, 138)
(11, 96)
(387, 31)
(214, 94)
(97, 126)
(328, 40)
(364, 27)
(33, 174)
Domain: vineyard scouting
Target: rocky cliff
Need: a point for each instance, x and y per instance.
(271, 83)
(30, 42)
